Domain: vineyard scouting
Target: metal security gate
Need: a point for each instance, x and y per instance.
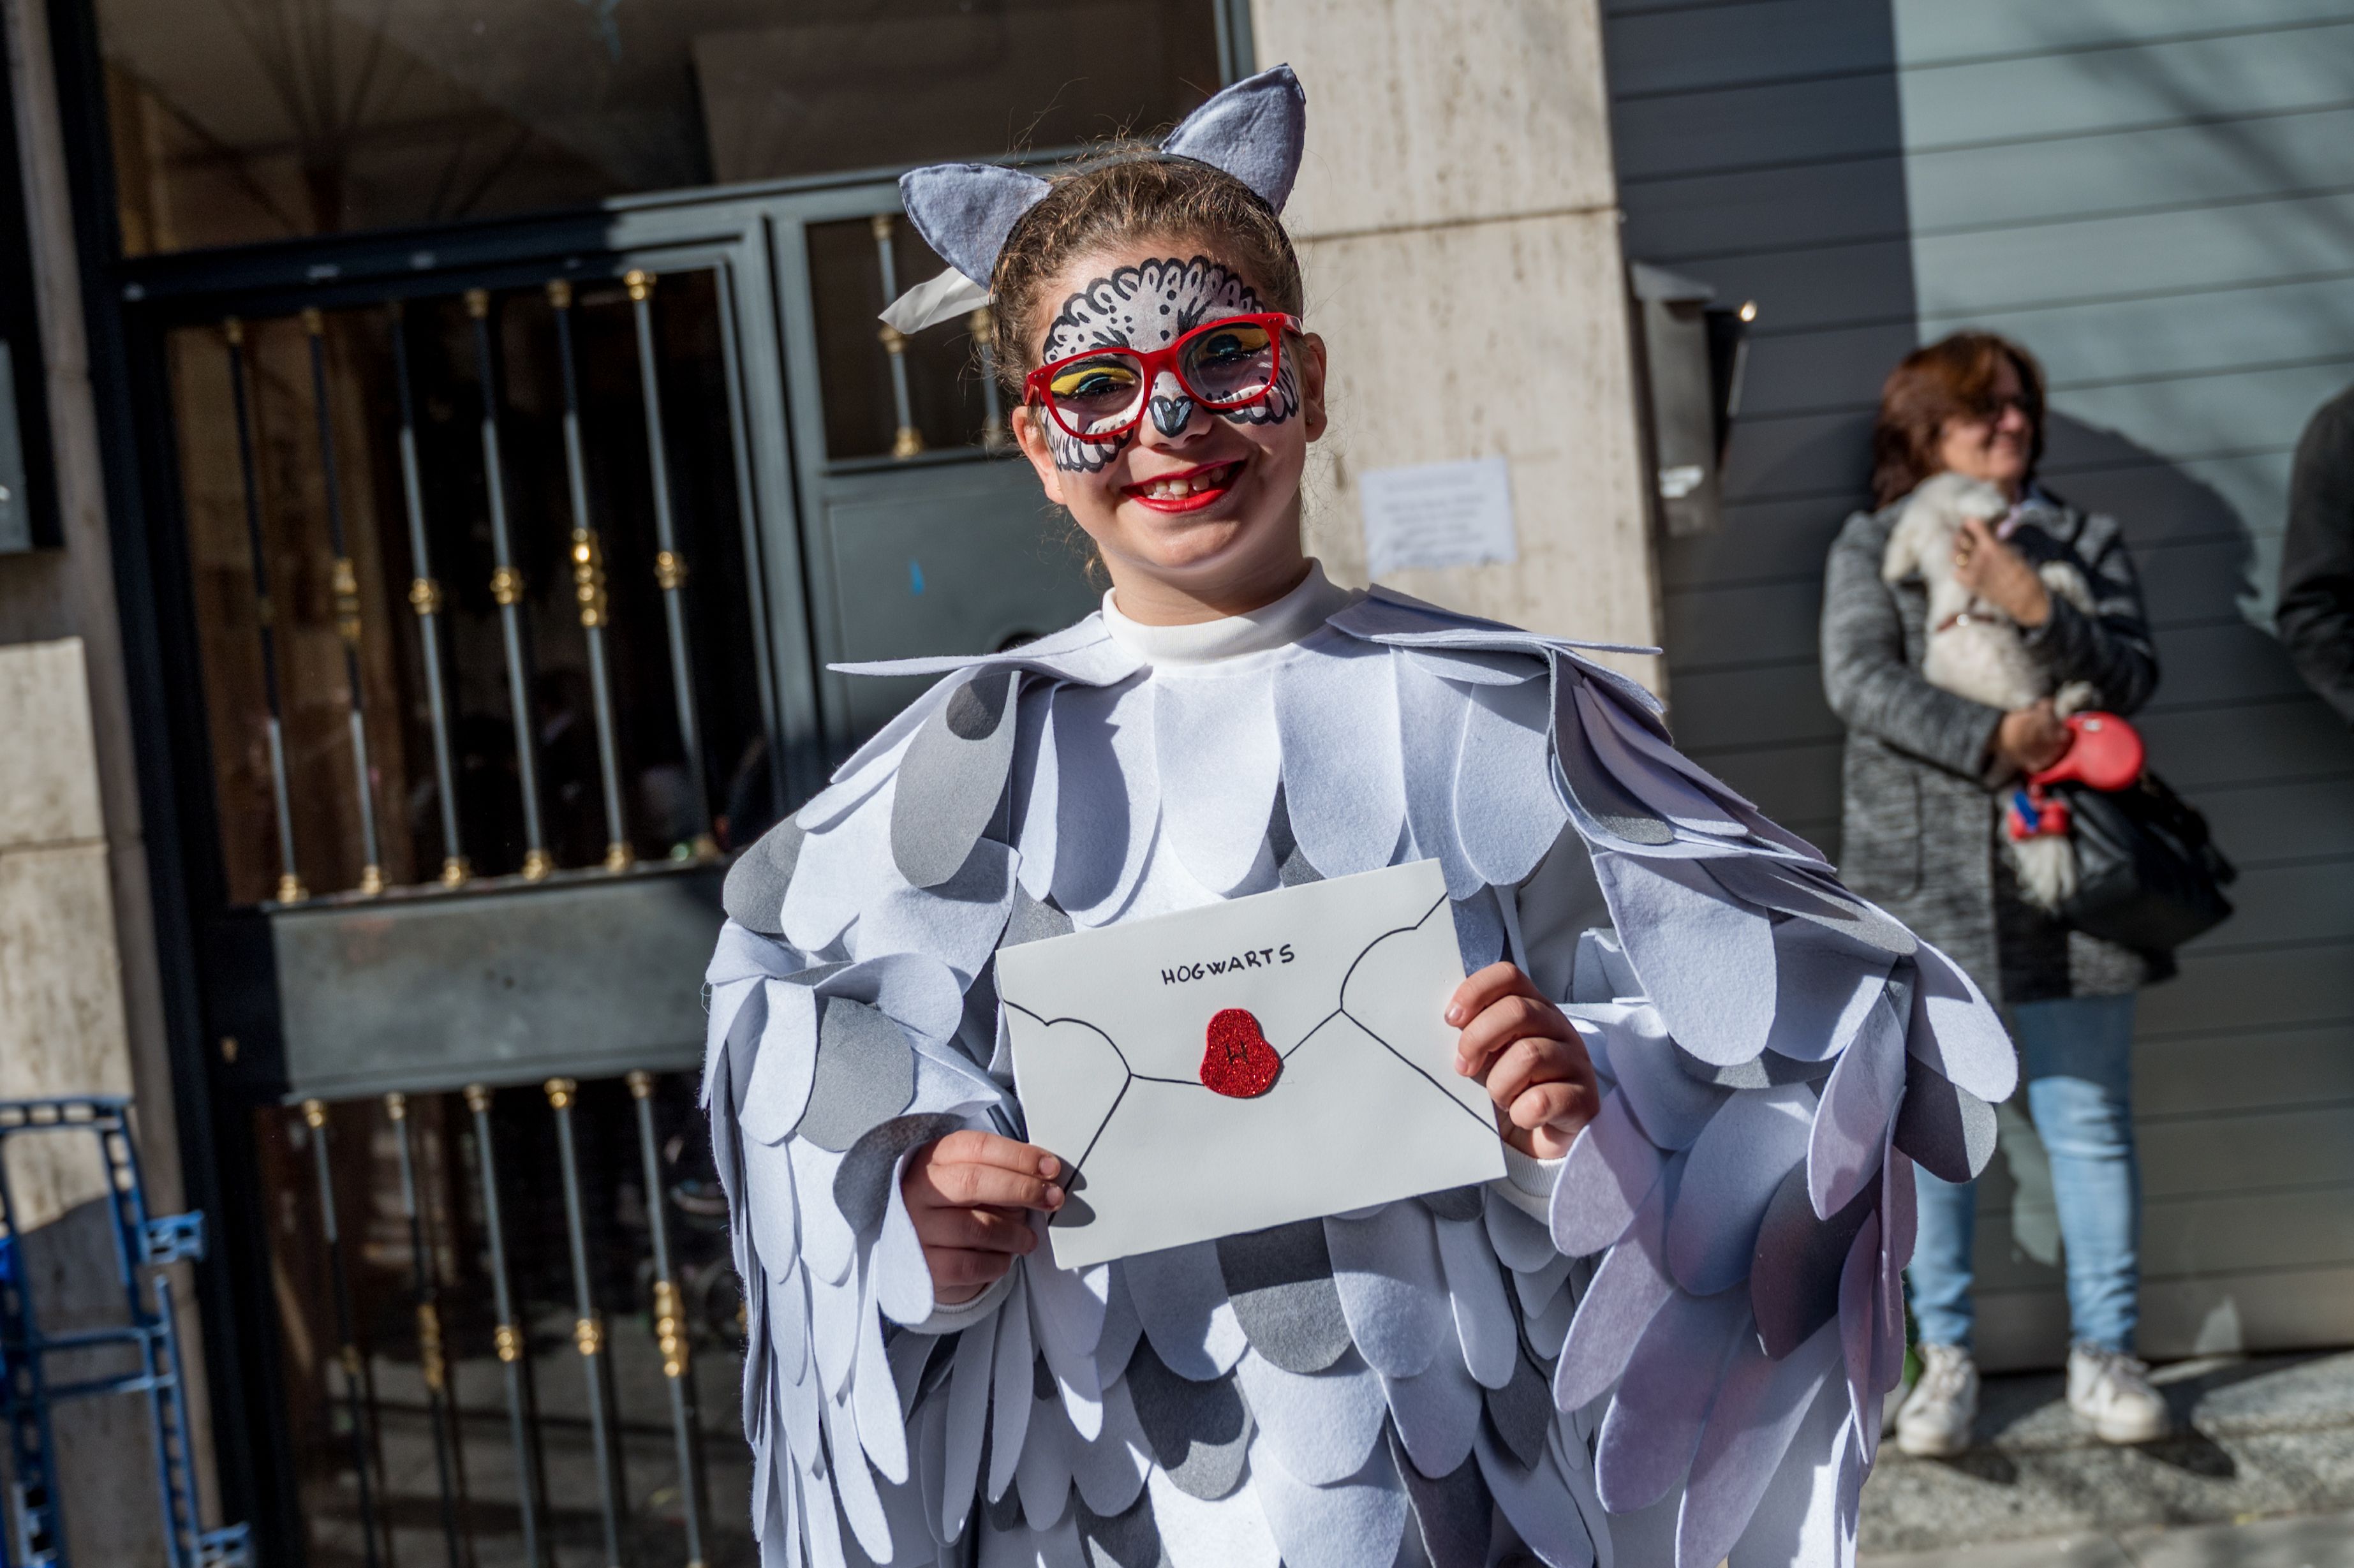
(496, 570)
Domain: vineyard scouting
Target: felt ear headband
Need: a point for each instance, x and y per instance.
(1252, 130)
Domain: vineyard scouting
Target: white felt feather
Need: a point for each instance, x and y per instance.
(1665, 790)
(1043, 1475)
(1797, 1519)
(1436, 1413)
(787, 1062)
(853, 1483)
(1955, 1032)
(1507, 813)
(1108, 799)
(1626, 1292)
(1431, 716)
(1222, 1534)
(1475, 1288)
(1070, 1306)
(1336, 715)
(1533, 1499)
(1180, 1296)
(1705, 961)
(1110, 1470)
(875, 1399)
(969, 1382)
(956, 922)
(1736, 1164)
(1009, 1402)
(1851, 1125)
(1670, 1104)
(1757, 1413)
(1610, 1170)
(1823, 990)
(903, 1280)
(828, 1244)
(1348, 1525)
(1037, 782)
(1218, 757)
(1392, 1291)
(1320, 1426)
(771, 1217)
(1654, 1422)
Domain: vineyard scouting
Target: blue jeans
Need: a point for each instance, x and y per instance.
(2077, 1059)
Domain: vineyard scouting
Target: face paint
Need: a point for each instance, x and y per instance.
(1149, 306)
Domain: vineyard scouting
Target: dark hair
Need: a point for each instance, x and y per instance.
(1953, 378)
(1127, 194)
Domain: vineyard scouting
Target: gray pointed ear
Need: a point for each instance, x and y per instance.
(964, 211)
(1252, 130)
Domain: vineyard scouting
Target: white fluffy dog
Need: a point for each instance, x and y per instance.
(1977, 652)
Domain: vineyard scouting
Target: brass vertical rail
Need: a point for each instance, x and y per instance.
(514, 1344)
(982, 326)
(347, 606)
(425, 598)
(909, 441)
(289, 877)
(670, 566)
(670, 1328)
(359, 1390)
(507, 588)
(588, 585)
(432, 1357)
(589, 1327)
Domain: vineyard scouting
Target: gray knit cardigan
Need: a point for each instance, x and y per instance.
(1922, 799)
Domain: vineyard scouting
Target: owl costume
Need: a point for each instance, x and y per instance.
(1670, 1347)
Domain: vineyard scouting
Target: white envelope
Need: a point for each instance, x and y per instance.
(1346, 982)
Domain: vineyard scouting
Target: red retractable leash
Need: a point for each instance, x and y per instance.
(2104, 752)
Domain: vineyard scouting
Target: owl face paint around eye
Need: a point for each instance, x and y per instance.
(1196, 509)
(1146, 306)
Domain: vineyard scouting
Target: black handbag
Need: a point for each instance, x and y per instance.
(2148, 875)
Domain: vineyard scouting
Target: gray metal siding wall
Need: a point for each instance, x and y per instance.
(2157, 197)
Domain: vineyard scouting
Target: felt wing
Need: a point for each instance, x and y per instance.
(1780, 1053)
(1777, 1054)
(819, 1079)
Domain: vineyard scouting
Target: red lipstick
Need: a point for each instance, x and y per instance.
(1219, 477)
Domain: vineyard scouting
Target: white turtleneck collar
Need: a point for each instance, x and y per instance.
(1316, 600)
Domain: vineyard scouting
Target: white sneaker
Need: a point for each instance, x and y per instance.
(2110, 1390)
(1934, 1422)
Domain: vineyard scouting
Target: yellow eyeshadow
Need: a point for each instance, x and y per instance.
(1105, 378)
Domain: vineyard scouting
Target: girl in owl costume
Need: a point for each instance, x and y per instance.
(1663, 1337)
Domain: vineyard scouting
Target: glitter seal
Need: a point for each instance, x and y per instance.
(1238, 1061)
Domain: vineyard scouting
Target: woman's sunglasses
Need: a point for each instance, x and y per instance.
(1228, 364)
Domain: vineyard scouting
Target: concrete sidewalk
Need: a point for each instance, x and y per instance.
(2315, 1542)
(2259, 1473)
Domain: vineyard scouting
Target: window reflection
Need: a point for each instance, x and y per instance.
(236, 121)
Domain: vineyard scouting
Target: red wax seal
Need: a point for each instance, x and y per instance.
(1238, 1062)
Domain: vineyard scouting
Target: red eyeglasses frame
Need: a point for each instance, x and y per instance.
(1153, 361)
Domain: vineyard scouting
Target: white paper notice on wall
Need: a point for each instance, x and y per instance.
(1437, 515)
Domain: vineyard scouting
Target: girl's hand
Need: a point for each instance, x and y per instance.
(1528, 1055)
(1999, 575)
(969, 1195)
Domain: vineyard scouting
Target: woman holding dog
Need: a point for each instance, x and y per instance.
(1927, 775)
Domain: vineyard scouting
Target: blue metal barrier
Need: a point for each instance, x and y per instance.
(142, 1245)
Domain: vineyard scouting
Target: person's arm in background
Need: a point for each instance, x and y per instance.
(2317, 582)
(2110, 647)
(1868, 684)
